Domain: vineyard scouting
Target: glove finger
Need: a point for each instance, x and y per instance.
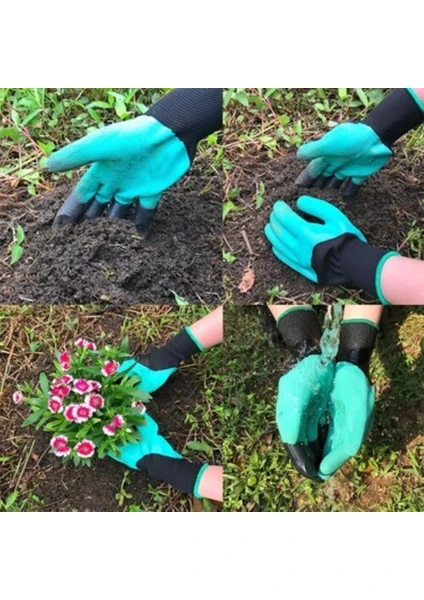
(88, 186)
(293, 263)
(70, 212)
(333, 462)
(118, 211)
(105, 193)
(150, 202)
(311, 173)
(143, 219)
(312, 150)
(89, 149)
(280, 235)
(94, 210)
(290, 409)
(320, 209)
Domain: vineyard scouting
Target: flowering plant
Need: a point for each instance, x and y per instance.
(89, 406)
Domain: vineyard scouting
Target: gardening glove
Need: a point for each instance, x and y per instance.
(329, 253)
(157, 366)
(154, 455)
(303, 393)
(352, 400)
(352, 152)
(137, 160)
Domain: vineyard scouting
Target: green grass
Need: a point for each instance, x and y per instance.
(387, 474)
(29, 337)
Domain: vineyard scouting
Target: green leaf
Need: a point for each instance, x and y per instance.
(230, 258)
(9, 132)
(33, 417)
(4, 459)
(124, 344)
(200, 447)
(362, 96)
(11, 500)
(342, 93)
(19, 234)
(44, 384)
(229, 207)
(139, 394)
(16, 252)
(179, 299)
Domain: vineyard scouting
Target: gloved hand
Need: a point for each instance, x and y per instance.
(155, 456)
(351, 406)
(331, 253)
(352, 152)
(303, 395)
(157, 366)
(304, 391)
(138, 160)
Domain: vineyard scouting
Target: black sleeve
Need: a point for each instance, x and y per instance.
(191, 113)
(397, 114)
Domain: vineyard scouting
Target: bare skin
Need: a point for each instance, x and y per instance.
(402, 280)
(210, 329)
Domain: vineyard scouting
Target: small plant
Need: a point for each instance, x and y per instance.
(16, 248)
(90, 406)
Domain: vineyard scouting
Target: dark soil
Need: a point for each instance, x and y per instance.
(106, 261)
(385, 210)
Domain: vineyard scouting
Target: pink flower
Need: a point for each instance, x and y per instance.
(60, 446)
(60, 390)
(17, 397)
(85, 449)
(109, 429)
(95, 385)
(81, 343)
(64, 380)
(95, 401)
(55, 405)
(65, 361)
(83, 413)
(110, 367)
(118, 421)
(82, 386)
(141, 407)
(69, 412)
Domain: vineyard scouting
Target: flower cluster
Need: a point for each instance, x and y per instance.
(90, 406)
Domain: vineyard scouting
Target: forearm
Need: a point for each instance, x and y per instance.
(191, 113)
(209, 330)
(371, 312)
(211, 484)
(402, 280)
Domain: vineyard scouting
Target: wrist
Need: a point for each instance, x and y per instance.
(397, 114)
(362, 265)
(357, 341)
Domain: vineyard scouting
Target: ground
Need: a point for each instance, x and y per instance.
(185, 408)
(386, 475)
(265, 126)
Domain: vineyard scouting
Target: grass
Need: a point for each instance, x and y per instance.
(29, 338)
(385, 476)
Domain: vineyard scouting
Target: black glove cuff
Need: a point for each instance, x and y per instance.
(178, 472)
(191, 113)
(397, 114)
(346, 259)
(301, 331)
(180, 348)
(357, 341)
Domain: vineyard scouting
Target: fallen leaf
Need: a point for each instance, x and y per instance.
(247, 281)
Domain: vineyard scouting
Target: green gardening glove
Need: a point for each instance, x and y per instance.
(351, 410)
(303, 395)
(156, 367)
(154, 455)
(352, 152)
(329, 253)
(351, 405)
(137, 160)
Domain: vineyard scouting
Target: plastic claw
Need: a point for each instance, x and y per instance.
(118, 211)
(334, 183)
(351, 190)
(144, 219)
(70, 212)
(94, 210)
(305, 179)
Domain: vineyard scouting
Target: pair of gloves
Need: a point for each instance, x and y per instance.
(325, 411)
(136, 161)
(153, 454)
(334, 251)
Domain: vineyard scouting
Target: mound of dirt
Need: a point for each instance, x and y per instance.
(106, 261)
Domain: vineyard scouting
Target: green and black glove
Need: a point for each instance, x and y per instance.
(352, 152)
(137, 160)
(351, 407)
